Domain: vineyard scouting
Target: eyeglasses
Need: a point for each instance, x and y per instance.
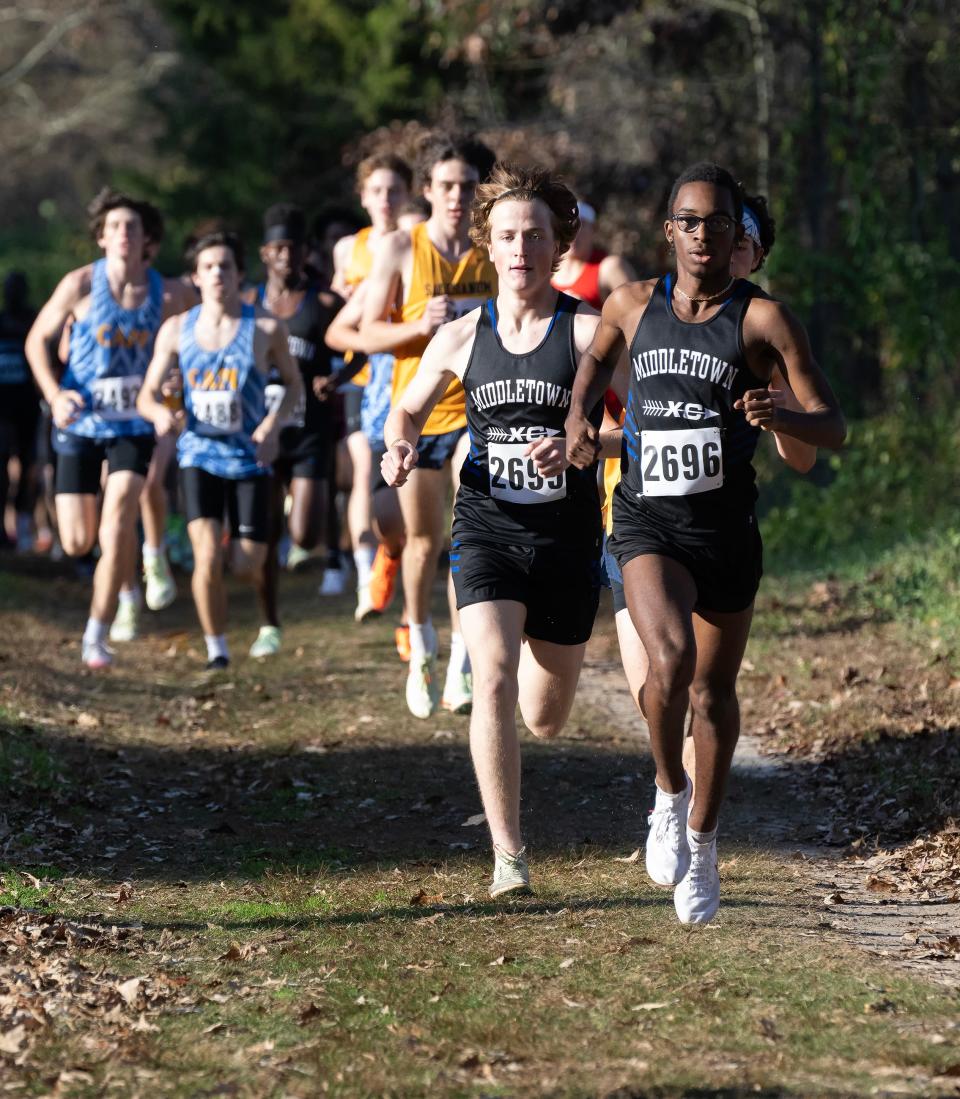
(715, 223)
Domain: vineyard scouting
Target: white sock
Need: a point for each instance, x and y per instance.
(131, 595)
(669, 799)
(151, 553)
(95, 633)
(702, 837)
(423, 638)
(363, 559)
(216, 646)
(459, 660)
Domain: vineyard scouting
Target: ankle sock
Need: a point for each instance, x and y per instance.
(459, 659)
(152, 553)
(216, 645)
(702, 837)
(423, 638)
(95, 633)
(363, 559)
(131, 595)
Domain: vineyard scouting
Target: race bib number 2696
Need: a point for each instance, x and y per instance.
(681, 463)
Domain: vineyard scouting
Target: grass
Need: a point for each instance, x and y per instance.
(343, 943)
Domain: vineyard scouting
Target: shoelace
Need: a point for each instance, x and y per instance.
(665, 821)
(702, 867)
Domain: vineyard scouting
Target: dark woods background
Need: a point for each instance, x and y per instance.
(843, 111)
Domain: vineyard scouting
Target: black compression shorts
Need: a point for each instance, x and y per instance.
(246, 502)
(560, 587)
(305, 454)
(80, 460)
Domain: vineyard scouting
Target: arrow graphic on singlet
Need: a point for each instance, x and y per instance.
(685, 410)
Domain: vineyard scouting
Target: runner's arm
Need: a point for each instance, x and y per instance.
(377, 332)
(594, 373)
(799, 456)
(43, 338)
(343, 334)
(775, 339)
(342, 251)
(150, 403)
(445, 358)
(611, 436)
(278, 353)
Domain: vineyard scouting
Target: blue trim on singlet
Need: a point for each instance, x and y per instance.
(668, 286)
(630, 437)
(262, 301)
(492, 310)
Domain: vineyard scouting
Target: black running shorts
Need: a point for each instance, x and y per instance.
(80, 460)
(559, 586)
(726, 567)
(245, 501)
(436, 450)
(303, 453)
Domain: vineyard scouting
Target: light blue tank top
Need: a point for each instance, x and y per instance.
(110, 350)
(223, 394)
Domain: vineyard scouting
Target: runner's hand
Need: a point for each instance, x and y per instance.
(760, 407)
(324, 387)
(583, 441)
(268, 443)
(397, 462)
(66, 406)
(549, 455)
(438, 311)
(168, 422)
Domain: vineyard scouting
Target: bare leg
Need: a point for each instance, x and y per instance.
(359, 512)
(153, 501)
(118, 542)
(209, 592)
(548, 680)
(76, 522)
(267, 579)
(422, 504)
(493, 632)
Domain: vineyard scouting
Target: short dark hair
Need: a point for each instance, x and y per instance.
(108, 199)
(290, 217)
(768, 227)
(214, 235)
(152, 221)
(705, 172)
(440, 146)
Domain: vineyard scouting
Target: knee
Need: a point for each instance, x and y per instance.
(712, 702)
(304, 533)
(672, 666)
(248, 560)
(206, 560)
(495, 691)
(421, 546)
(543, 726)
(76, 543)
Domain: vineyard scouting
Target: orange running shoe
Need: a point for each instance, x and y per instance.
(383, 580)
(401, 637)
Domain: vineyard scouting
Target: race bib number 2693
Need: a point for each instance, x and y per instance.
(681, 463)
(514, 476)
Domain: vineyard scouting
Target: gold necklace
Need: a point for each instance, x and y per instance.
(711, 297)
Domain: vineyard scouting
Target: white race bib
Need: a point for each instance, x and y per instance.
(116, 398)
(217, 411)
(681, 463)
(514, 476)
(273, 395)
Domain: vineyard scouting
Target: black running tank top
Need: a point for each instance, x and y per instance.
(686, 458)
(513, 400)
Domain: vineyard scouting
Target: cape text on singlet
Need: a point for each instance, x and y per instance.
(674, 360)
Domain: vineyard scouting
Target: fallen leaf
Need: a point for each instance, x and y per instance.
(472, 822)
(423, 897)
(310, 1012)
(635, 857)
(835, 898)
(130, 990)
(654, 1006)
(13, 1041)
(87, 721)
(502, 960)
(567, 962)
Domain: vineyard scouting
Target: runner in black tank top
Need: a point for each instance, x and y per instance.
(304, 464)
(702, 350)
(526, 529)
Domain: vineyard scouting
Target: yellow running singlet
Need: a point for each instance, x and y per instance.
(469, 282)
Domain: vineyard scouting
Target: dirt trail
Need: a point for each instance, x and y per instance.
(776, 801)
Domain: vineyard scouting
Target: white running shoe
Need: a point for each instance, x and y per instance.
(160, 589)
(458, 693)
(296, 556)
(422, 694)
(668, 855)
(267, 642)
(96, 655)
(697, 897)
(334, 582)
(124, 626)
(365, 608)
(510, 872)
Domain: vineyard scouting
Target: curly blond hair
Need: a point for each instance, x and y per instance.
(509, 181)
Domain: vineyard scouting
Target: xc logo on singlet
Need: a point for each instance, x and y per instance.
(684, 410)
(519, 434)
